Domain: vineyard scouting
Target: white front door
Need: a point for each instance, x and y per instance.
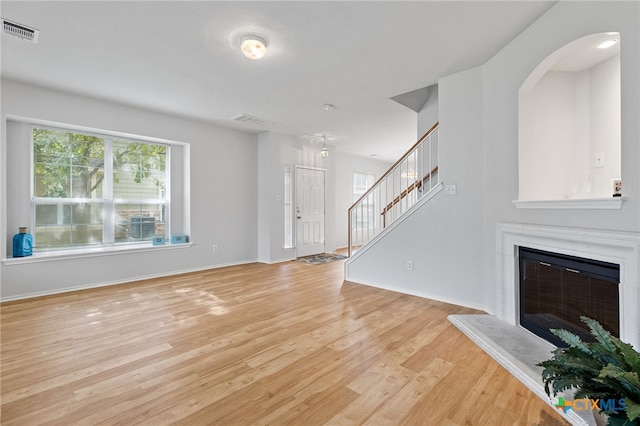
(309, 210)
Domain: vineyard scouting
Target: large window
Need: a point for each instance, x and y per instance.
(95, 190)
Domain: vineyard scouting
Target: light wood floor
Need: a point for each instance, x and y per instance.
(256, 344)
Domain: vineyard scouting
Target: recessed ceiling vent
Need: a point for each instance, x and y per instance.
(20, 31)
(250, 119)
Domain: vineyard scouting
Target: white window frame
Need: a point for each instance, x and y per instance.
(107, 200)
(366, 219)
(287, 201)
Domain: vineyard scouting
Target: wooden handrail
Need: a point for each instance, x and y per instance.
(426, 135)
(416, 184)
(391, 169)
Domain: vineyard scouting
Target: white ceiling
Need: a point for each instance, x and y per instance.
(182, 57)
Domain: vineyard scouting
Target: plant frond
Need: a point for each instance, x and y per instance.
(633, 409)
(571, 339)
(597, 331)
(605, 369)
(631, 356)
(629, 378)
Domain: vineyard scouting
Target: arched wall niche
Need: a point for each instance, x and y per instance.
(569, 123)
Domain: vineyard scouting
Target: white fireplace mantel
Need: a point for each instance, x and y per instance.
(622, 248)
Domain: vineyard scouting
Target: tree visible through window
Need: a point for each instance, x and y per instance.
(91, 190)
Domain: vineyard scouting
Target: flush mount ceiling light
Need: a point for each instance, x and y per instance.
(253, 46)
(607, 43)
(325, 152)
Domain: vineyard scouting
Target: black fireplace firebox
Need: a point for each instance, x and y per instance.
(557, 289)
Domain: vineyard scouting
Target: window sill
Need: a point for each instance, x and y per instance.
(93, 252)
(613, 203)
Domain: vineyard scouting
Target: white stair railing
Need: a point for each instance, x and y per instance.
(396, 191)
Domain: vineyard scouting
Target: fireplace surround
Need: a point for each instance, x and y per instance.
(613, 247)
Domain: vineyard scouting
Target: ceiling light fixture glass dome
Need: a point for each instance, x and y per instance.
(253, 46)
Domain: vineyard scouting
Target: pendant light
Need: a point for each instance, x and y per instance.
(325, 152)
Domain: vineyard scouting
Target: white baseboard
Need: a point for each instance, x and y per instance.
(424, 295)
(128, 280)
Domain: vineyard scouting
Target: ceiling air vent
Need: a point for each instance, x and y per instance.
(20, 31)
(250, 119)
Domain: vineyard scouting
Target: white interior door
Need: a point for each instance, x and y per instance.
(309, 211)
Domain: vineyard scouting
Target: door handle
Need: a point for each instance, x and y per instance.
(299, 217)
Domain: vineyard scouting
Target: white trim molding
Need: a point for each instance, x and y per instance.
(622, 248)
(422, 294)
(52, 256)
(123, 281)
(613, 203)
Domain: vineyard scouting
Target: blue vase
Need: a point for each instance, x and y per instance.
(22, 243)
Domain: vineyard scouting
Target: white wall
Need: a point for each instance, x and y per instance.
(346, 165)
(452, 239)
(505, 73)
(429, 113)
(564, 120)
(548, 144)
(604, 130)
(276, 150)
(223, 205)
(444, 237)
(236, 192)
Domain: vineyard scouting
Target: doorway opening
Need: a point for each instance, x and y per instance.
(310, 211)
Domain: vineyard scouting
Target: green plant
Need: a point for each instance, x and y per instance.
(607, 369)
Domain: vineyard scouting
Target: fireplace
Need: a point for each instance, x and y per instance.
(608, 247)
(557, 289)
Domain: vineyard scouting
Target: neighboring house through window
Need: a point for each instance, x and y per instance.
(97, 190)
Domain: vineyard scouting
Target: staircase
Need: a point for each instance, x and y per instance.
(408, 181)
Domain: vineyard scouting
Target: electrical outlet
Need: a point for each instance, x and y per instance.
(409, 265)
(450, 189)
(215, 248)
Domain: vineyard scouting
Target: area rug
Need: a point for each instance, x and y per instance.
(319, 259)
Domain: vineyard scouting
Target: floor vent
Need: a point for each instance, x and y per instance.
(20, 31)
(250, 119)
